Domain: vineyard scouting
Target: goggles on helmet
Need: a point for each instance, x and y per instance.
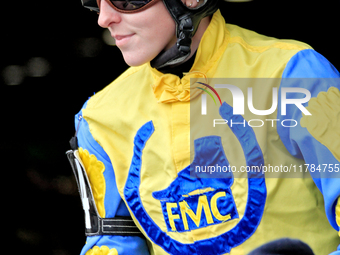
(128, 6)
(125, 6)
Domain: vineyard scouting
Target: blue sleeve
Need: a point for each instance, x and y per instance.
(111, 204)
(310, 138)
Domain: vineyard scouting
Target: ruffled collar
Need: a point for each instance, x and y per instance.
(169, 88)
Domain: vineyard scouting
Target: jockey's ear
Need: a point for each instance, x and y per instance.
(192, 4)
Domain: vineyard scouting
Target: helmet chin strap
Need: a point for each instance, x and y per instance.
(187, 21)
(180, 51)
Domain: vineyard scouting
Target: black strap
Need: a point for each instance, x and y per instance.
(95, 225)
(119, 226)
(74, 143)
(187, 22)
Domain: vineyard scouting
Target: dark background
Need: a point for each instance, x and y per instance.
(53, 58)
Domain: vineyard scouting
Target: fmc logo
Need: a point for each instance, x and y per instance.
(191, 203)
